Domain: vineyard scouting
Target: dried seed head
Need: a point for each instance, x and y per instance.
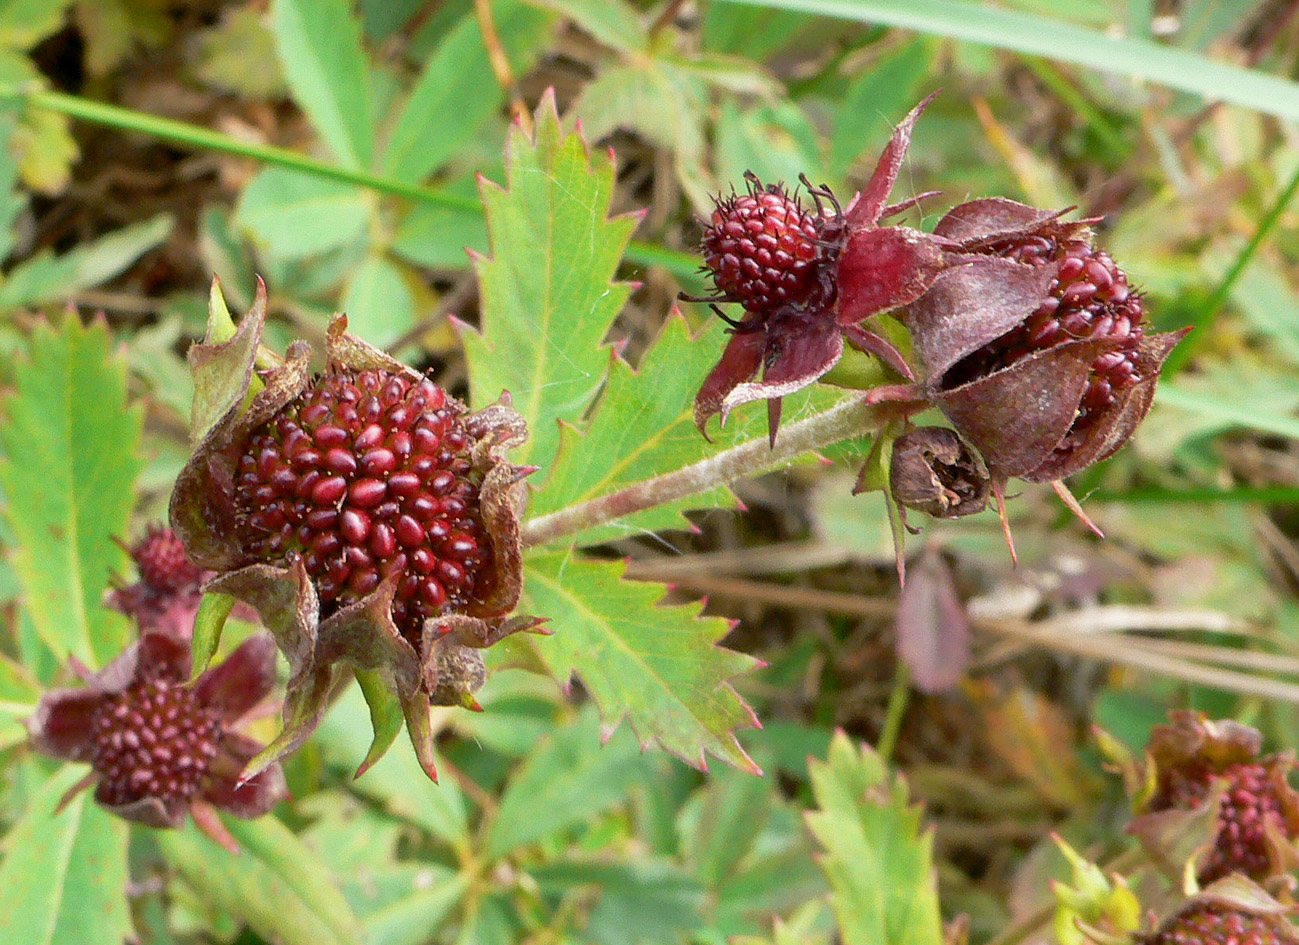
(934, 471)
(762, 248)
(367, 475)
(1088, 299)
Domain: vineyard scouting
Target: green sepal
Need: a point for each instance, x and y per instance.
(209, 621)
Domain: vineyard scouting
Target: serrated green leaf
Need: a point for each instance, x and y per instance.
(319, 43)
(878, 862)
(64, 878)
(379, 305)
(48, 278)
(612, 22)
(546, 296)
(291, 215)
(276, 884)
(656, 666)
(458, 92)
(568, 780)
(69, 448)
(440, 237)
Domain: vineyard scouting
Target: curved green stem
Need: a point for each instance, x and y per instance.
(682, 265)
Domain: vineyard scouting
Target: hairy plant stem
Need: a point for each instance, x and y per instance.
(850, 417)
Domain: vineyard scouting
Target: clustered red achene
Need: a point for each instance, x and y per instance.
(159, 747)
(368, 517)
(1232, 911)
(367, 476)
(1025, 335)
(1215, 766)
(167, 595)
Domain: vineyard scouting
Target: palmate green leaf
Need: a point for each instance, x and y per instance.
(546, 294)
(64, 878)
(567, 781)
(291, 215)
(458, 92)
(380, 306)
(319, 42)
(612, 22)
(878, 862)
(69, 445)
(276, 884)
(656, 666)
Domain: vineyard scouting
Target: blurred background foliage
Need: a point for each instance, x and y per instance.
(333, 149)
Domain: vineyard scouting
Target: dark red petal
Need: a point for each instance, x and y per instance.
(970, 305)
(991, 218)
(160, 654)
(1017, 416)
(1116, 424)
(882, 269)
(252, 798)
(244, 679)
(60, 727)
(933, 630)
(740, 362)
(151, 811)
(796, 357)
(869, 204)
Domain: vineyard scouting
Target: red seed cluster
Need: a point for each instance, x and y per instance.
(163, 565)
(153, 739)
(1248, 803)
(1217, 925)
(762, 248)
(1090, 298)
(368, 475)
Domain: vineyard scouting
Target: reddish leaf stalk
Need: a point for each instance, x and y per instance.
(852, 417)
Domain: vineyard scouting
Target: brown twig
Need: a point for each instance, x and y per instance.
(501, 65)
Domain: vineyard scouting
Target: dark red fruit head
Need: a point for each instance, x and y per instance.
(763, 248)
(153, 740)
(1089, 298)
(366, 476)
(1249, 805)
(163, 565)
(1214, 924)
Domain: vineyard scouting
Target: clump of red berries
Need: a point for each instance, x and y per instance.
(1199, 762)
(167, 595)
(1215, 924)
(1087, 298)
(763, 248)
(152, 739)
(162, 563)
(160, 746)
(368, 517)
(367, 476)
(1249, 803)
